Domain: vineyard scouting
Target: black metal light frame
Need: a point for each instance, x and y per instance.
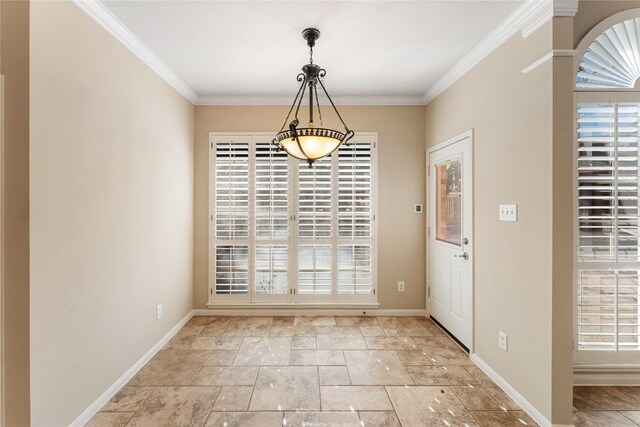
(311, 75)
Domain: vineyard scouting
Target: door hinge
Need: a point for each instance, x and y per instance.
(428, 231)
(374, 291)
(211, 291)
(212, 145)
(429, 291)
(211, 217)
(429, 171)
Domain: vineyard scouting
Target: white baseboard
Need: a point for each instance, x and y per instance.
(625, 375)
(303, 311)
(126, 377)
(512, 392)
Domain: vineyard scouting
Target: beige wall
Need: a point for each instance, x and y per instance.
(111, 210)
(401, 184)
(510, 114)
(14, 65)
(591, 12)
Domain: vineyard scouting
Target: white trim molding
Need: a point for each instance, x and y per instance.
(628, 375)
(330, 310)
(526, 20)
(286, 100)
(99, 13)
(553, 53)
(512, 392)
(127, 376)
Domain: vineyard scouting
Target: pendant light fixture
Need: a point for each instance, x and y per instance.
(312, 142)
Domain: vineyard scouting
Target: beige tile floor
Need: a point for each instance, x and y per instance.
(320, 371)
(606, 406)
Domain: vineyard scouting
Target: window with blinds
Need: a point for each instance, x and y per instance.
(354, 219)
(282, 231)
(607, 226)
(231, 218)
(315, 209)
(271, 185)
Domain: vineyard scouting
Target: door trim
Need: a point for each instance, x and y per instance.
(466, 134)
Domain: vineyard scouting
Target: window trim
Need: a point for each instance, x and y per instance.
(251, 299)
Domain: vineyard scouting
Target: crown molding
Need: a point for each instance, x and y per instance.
(553, 53)
(526, 19)
(99, 13)
(287, 100)
(565, 7)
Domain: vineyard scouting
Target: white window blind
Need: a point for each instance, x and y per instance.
(607, 226)
(315, 211)
(231, 218)
(354, 218)
(271, 219)
(282, 231)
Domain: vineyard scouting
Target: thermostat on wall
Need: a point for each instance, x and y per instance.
(417, 208)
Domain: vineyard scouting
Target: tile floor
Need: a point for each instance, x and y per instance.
(606, 406)
(322, 371)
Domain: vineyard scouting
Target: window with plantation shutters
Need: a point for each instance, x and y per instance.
(284, 232)
(231, 228)
(315, 227)
(271, 246)
(607, 226)
(354, 218)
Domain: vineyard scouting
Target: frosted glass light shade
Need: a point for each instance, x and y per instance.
(313, 147)
(314, 143)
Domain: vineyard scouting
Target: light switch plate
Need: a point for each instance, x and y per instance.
(417, 208)
(503, 341)
(508, 213)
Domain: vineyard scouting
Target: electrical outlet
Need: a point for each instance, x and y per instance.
(158, 311)
(502, 340)
(400, 286)
(508, 213)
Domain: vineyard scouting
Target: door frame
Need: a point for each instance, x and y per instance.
(464, 135)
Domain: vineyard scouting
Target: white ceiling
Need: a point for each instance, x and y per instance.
(255, 48)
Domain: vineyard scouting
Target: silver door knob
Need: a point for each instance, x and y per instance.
(464, 255)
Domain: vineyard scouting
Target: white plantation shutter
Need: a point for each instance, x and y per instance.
(607, 233)
(284, 232)
(271, 220)
(315, 211)
(231, 218)
(355, 218)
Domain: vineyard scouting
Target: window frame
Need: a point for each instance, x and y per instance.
(291, 299)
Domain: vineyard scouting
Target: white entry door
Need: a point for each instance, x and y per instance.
(449, 236)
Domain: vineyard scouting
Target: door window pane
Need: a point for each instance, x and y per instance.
(449, 202)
